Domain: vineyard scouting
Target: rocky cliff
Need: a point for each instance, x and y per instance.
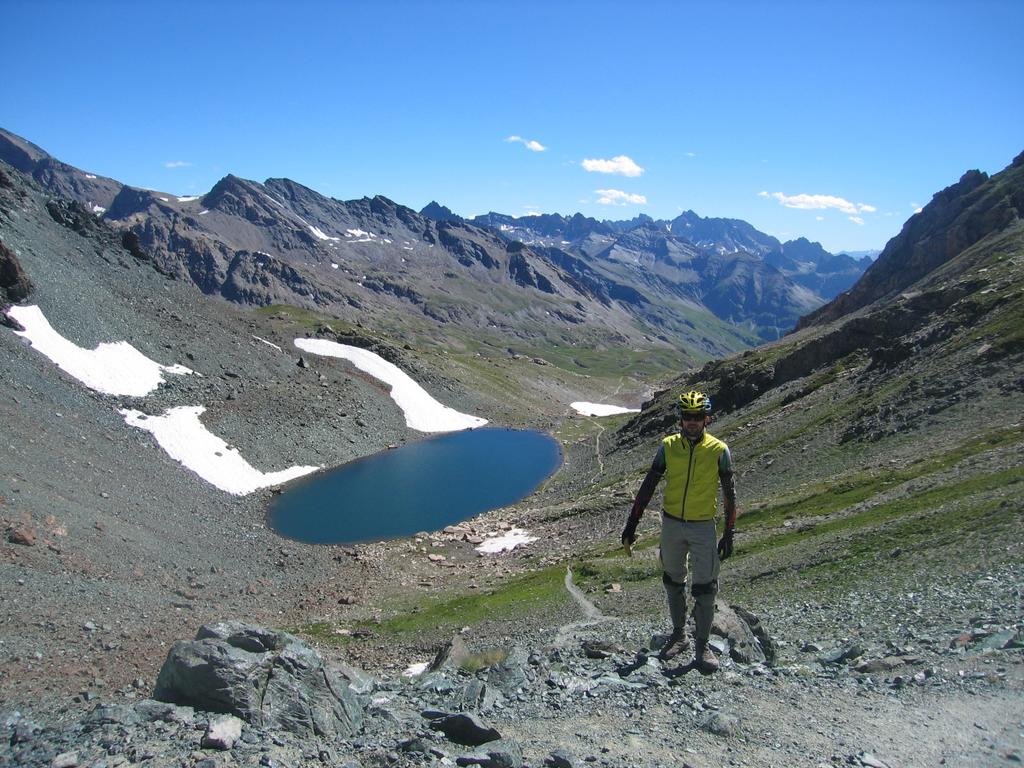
(957, 218)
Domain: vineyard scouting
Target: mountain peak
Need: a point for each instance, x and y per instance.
(957, 217)
(434, 210)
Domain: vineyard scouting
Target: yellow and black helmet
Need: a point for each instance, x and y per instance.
(693, 401)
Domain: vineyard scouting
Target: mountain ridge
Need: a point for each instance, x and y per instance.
(878, 464)
(205, 238)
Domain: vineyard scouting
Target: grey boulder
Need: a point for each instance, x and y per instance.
(269, 679)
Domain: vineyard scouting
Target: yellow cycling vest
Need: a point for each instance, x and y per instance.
(691, 490)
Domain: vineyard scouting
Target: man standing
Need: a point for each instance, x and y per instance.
(695, 464)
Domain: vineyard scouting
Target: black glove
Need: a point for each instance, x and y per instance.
(725, 544)
(629, 532)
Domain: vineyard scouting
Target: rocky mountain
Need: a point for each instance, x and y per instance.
(434, 210)
(956, 219)
(722, 235)
(280, 242)
(768, 284)
(810, 265)
(878, 553)
(62, 180)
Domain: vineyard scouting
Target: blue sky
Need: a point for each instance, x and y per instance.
(832, 121)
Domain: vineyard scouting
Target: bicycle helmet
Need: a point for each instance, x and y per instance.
(693, 401)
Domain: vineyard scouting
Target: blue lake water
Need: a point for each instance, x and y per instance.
(421, 486)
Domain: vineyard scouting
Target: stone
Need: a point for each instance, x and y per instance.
(997, 641)
(560, 759)
(358, 680)
(451, 655)
(509, 674)
(65, 760)
(268, 679)
(601, 649)
(744, 644)
(14, 282)
(870, 761)
(473, 695)
(721, 724)
(879, 665)
(222, 733)
(839, 656)
(160, 711)
(25, 535)
(464, 728)
(501, 754)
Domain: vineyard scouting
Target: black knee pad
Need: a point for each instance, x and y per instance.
(669, 582)
(708, 588)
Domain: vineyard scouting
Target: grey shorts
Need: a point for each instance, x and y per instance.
(697, 539)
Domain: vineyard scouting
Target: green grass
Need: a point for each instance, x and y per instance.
(304, 317)
(829, 496)
(615, 568)
(518, 597)
(870, 555)
(934, 498)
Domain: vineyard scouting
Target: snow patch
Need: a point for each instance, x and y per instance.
(422, 412)
(188, 199)
(115, 368)
(364, 236)
(599, 409)
(415, 670)
(268, 343)
(505, 543)
(320, 235)
(186, 440)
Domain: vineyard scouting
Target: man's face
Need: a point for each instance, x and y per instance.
(692, 423)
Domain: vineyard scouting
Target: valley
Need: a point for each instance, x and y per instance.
(878, 448)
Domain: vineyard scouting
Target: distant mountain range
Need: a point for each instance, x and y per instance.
(702, 286)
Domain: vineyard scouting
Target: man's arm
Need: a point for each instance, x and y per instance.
(728, 480)
(643, 496)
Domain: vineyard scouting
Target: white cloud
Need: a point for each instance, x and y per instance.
(530, 144)
(819, 218)
(177, 164)
(857, 220)
(618, 197)
(691, 154)
(819, 202)
(621, 165)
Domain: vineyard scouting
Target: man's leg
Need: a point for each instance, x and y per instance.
(673, 552)
(705, 565)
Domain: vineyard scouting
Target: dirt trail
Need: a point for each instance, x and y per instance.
(592, 613)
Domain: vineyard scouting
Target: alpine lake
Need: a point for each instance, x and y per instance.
(421, 486)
